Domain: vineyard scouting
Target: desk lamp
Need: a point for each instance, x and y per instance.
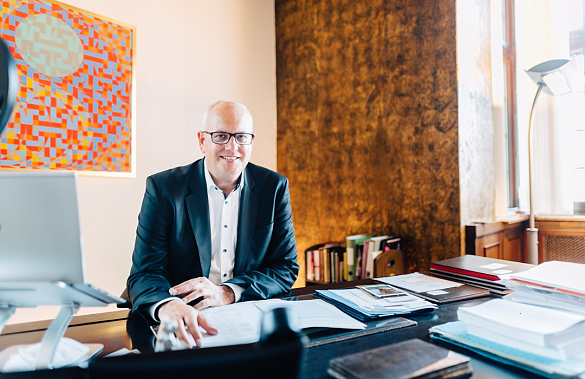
(555, 77)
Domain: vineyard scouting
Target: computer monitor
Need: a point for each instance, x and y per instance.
(41, 247)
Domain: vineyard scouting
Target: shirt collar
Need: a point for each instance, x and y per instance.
(210, 184)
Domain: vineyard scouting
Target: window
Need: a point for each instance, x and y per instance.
(535, 31)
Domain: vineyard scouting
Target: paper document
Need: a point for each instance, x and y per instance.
(566, 276)
(364, 300)
(240, 323)
(313, 314)
(417, 282)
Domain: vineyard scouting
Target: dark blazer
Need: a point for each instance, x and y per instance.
(173, 238)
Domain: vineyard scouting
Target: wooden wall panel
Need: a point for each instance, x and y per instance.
(367, 122)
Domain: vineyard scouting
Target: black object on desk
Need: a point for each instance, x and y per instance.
(277, 355)
(408, 359)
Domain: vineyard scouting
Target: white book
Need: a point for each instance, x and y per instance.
(536, 325)
(564, 276)
(572, 349)
(521, 295)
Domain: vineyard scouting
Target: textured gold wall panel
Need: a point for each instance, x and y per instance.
(367, 122)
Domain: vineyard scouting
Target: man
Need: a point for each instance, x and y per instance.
(216, 231)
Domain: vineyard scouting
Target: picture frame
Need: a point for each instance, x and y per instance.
(75, 109)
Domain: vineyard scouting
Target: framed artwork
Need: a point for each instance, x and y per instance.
(75, 106)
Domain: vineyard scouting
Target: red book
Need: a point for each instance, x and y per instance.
(480, 267)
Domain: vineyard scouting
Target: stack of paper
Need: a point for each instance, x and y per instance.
(551, 284)
(436, 290)
(363, 306)
(539, 339)
(545, 331)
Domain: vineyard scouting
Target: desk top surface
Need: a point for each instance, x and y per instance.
(121, 329)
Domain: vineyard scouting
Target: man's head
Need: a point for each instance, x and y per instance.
(226, 161)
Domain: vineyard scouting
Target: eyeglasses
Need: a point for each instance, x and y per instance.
(222, 138)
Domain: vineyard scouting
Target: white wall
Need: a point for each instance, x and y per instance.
(189, 53)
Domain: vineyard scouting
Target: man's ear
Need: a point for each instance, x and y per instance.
(201, 140)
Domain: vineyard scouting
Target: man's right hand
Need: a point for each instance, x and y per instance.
(186, 316)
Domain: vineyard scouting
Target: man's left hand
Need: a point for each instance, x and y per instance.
(213, 295)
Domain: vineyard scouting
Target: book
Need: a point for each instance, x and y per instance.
(408, 359)
(532, 324)
(456, 333)
(351, 243)
(374, 247)
(495, 287)
(572, 349)
(481, 267)
(434, 289)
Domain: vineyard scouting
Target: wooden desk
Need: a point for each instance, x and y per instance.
(116, 330)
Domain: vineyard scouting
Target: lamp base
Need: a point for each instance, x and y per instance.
(532, 245)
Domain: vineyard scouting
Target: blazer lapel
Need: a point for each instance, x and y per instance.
(246, 222)
(198, 210)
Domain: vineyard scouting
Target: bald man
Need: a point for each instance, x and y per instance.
(214, 232)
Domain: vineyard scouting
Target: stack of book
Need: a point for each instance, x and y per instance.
(479, 271)
(551, 284)
(361, 253)
(325, 263)
(332, 262)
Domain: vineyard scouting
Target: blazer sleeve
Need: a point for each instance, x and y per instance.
(277, 271)
(148, 281)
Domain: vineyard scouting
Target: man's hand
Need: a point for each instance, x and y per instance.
(213, 295)
(188, 317)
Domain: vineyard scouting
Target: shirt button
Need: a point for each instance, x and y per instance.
(225, 250)
(225, 226)
(224, 275)
(226, 202)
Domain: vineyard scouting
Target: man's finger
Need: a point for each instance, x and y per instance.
(181, 333)
(202, 321)
(205, 303)
(193, 327)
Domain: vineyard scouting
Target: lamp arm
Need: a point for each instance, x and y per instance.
(540, 87)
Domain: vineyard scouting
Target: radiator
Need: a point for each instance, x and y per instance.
(561, 239)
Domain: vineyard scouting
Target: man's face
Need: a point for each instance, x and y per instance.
(226, 162)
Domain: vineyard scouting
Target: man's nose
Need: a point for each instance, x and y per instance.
(231, 145)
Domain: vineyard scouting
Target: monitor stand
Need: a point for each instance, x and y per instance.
(6, 310)
(54, 334)
(52, 337)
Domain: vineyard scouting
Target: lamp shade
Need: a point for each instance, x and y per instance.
(559, 76)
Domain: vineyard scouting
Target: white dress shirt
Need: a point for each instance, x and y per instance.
(223, 217)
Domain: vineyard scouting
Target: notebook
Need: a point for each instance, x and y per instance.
(41, 247)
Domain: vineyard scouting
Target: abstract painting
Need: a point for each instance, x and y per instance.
(75, 106)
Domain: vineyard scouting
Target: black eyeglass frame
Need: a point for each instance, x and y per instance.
(234, 135)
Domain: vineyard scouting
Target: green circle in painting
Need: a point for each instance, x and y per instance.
(49, 45)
